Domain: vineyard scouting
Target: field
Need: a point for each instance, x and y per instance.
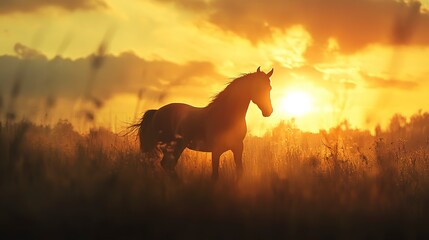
(342, 183)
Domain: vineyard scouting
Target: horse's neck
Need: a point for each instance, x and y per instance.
(234, 107)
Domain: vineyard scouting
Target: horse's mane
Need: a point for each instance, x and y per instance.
(228, 89)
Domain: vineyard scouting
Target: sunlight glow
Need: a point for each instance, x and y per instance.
(296, 103)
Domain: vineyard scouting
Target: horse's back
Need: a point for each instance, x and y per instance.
(175, 111)
(169, 118)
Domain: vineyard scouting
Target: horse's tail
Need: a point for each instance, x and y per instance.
(146, 133)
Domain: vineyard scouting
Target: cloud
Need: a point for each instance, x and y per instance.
(354, 24)
(380, 82)
(335, 80)
(10, 6)
(317, 77)
(59, 77)
(194, 5)
(27, 53)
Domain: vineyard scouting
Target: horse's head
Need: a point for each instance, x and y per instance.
(261, 91)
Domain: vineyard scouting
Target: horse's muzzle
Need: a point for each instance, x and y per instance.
(267, 113)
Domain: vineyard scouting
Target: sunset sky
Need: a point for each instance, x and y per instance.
(361, 60)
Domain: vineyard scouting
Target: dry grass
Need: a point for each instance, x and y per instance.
(342, 183)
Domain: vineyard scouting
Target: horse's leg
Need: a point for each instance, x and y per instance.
(215, 164)
(171, 155)
(237, 151)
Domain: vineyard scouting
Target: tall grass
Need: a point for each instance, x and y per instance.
(341, 183)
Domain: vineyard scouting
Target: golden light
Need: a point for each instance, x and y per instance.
(296, 103)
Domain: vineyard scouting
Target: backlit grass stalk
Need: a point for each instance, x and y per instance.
(97, 61)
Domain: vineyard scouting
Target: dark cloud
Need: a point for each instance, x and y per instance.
(353, 23)
(379, 82)
(10, 6)
(127, 73)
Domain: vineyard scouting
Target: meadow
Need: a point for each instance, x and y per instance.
(339, 183)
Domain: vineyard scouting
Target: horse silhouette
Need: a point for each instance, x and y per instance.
(216, 128)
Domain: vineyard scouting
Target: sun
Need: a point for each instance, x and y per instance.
(296, 103)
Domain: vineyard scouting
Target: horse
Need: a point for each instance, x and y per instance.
(218, 127)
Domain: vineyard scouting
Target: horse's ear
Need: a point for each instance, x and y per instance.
(259, 69)
(270, 72)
